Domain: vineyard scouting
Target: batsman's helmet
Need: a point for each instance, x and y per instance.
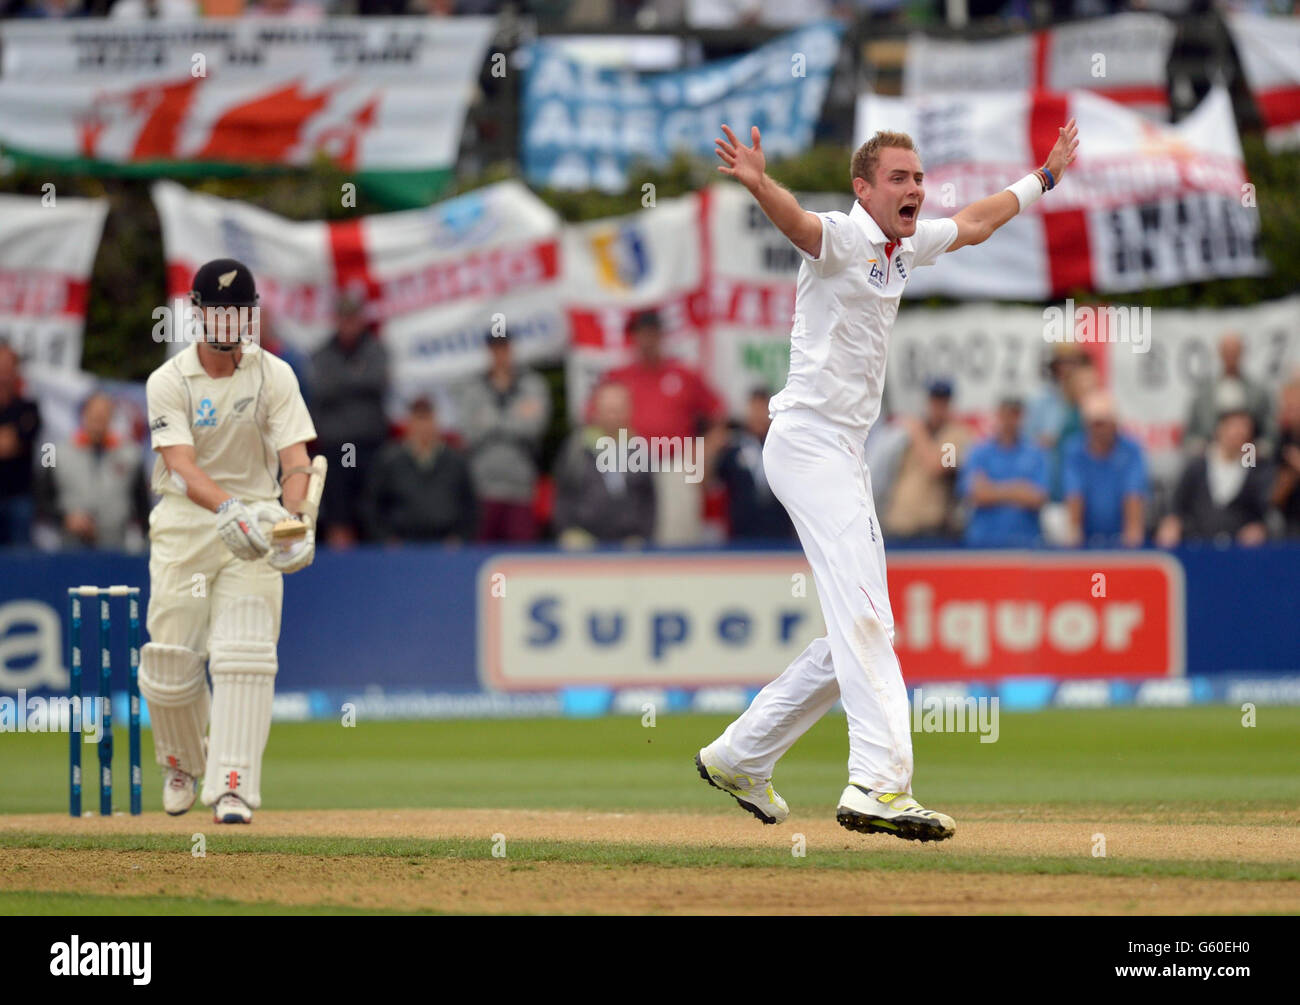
(219, 284)
(223, 282)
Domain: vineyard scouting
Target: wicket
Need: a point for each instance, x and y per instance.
(103, 594)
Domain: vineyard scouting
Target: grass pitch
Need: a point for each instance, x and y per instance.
(1101, 811)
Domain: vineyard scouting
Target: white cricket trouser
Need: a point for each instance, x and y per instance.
(817, 469)
(204, 599)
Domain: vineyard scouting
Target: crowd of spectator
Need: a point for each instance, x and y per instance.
(1062, 471)
(1058, 469)
(630, 14)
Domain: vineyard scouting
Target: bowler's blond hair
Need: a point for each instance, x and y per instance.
(867, 157)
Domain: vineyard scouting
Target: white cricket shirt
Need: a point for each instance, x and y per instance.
(846, 300)
(237, 424)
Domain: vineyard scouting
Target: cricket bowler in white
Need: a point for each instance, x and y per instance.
(231, 430)
(853, 273)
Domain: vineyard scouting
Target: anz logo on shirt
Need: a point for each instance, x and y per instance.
(206, 413)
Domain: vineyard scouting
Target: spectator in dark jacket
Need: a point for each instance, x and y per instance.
(752, 511)
(1221, 496)
(420, 488)
(503, 416)
(20, 422)
(349, 379)
(1231, 381)
(1286, 487)
(595, 499)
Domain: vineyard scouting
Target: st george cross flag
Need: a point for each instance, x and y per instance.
(1269, 48)
(1145, 205)
(1124, 58)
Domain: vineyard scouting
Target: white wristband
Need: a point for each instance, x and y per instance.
(1026, 190)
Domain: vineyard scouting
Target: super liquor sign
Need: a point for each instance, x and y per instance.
(695, 620)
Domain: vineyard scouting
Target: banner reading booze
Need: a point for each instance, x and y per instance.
(435, 280)
(1144, 206)
(739, 619)
(46, 253)
(371, 94)
(584, 124)
(1123, 58)
(987, 351)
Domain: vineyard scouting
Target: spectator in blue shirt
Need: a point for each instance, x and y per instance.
(1005, 480)
(1105, 479)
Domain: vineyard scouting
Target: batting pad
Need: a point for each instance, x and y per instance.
(243, 664)
(172, 682)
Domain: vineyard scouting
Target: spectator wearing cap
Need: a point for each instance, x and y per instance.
(1286, 486)
(95, 492)
(503, 417)
(923, 500)
(1005, 482)
(1104, 477)
(595, 501)
(1049, 411)
(20, 421)
(349, 380)
(420, 489)
(1222, 495)
(753, 512)
(1229, 385)
(670, 401)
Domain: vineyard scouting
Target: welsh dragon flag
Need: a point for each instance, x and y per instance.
(384, 97)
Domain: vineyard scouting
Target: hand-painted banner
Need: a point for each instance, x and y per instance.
(371, 94)
(751, 291)
(1123, 58)
(434, 279)
(988, 351)
(47, 248)
(620, 265)
(585, 125)
(1144, 205)
(1269, 49)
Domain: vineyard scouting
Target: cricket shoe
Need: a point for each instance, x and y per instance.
(753, 794)
(230, 809)
(896, 813)
(180, 789)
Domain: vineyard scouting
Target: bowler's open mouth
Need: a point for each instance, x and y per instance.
(908, 213)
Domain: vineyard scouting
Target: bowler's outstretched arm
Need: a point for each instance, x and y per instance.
(977, 222)
(748, 166)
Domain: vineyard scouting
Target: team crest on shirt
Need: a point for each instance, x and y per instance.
(902, 272)
(242, 404)
(206, 413)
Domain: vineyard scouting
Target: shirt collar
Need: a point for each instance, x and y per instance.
(191, 366)
(868, 225)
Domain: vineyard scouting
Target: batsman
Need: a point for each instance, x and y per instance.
(238, 506)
